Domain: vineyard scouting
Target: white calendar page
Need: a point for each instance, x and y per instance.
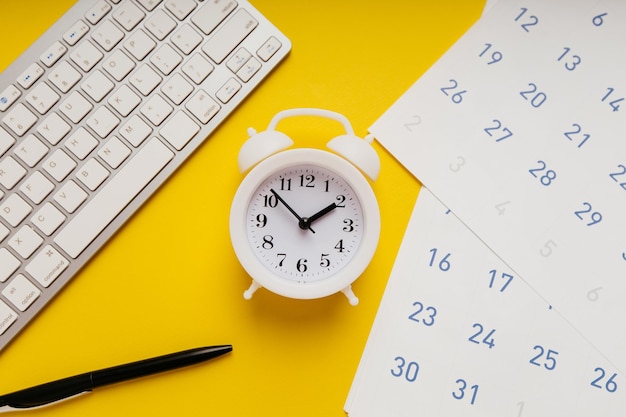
(520, 129)
(460, 334)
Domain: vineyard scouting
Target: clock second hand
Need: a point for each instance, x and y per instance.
(304, 224)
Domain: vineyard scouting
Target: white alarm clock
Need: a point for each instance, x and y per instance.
(305, 223)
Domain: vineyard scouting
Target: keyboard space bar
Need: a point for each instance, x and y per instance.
(113, 197)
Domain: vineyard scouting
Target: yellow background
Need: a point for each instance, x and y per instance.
(170, 281)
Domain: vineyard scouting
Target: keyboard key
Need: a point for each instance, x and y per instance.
(47, 265)
(75, 106)
(4, 231)
(156, 109)
(8, 97)
(186, 39)
(139, 45)
(48, 219)
(31, 150)
(97, 12)
(21, 292)
(75, 33)
(124, 100)
(128, 15)
(7, 317)
(30, 75)
(11, 172)
(59, 165)
(81, 143)
(236, 61)
(25, 242)
(92, 174)
(197, 68)
(6, 141)
(149, 5)
(160, 24)
(53, 128)
(8, 264)
(269, 48)
(229, 36)
(118, 65)
(179, 130)
(114, 152)
(107, 35)
(166, 59)
(177, 89)
(228, 90)
(20, 119)
(202, 106)
(42, 98)
(103, 121)
(145, 79)
(135, 130)
(97, 86)
(70, 196)
(248, 70)
(14, 209)
(64, 76)
(53, 54)
(113, 197)
(180, 8)
(86, 56)
(37, 187)
(211, 14)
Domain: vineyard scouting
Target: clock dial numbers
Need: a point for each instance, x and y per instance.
(279, 226)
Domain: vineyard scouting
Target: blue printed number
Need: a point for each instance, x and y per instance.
(494, 57)
(544, 357)
(621, 170)
(570, 61)
(587, 215)
(507, 278)
(488, 339)
(459, 394)
(451, 91)
(526, 21)
(546, 177)
(535, 97)
(611, 98)
(576, 135)
(424, 315)
(609, 385)
(497, 131)
(444, 263)
(404, 369)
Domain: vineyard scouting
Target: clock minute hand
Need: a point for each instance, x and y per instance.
(301, 222)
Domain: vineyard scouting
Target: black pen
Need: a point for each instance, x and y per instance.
(51, 392)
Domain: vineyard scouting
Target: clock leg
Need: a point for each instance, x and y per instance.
(353, 299)
(250, 291)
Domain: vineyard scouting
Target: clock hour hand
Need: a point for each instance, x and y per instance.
(319, 214)
(301, 222)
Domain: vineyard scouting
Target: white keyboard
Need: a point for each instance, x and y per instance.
(97, 113)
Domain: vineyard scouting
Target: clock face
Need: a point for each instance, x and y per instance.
(304, 223)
